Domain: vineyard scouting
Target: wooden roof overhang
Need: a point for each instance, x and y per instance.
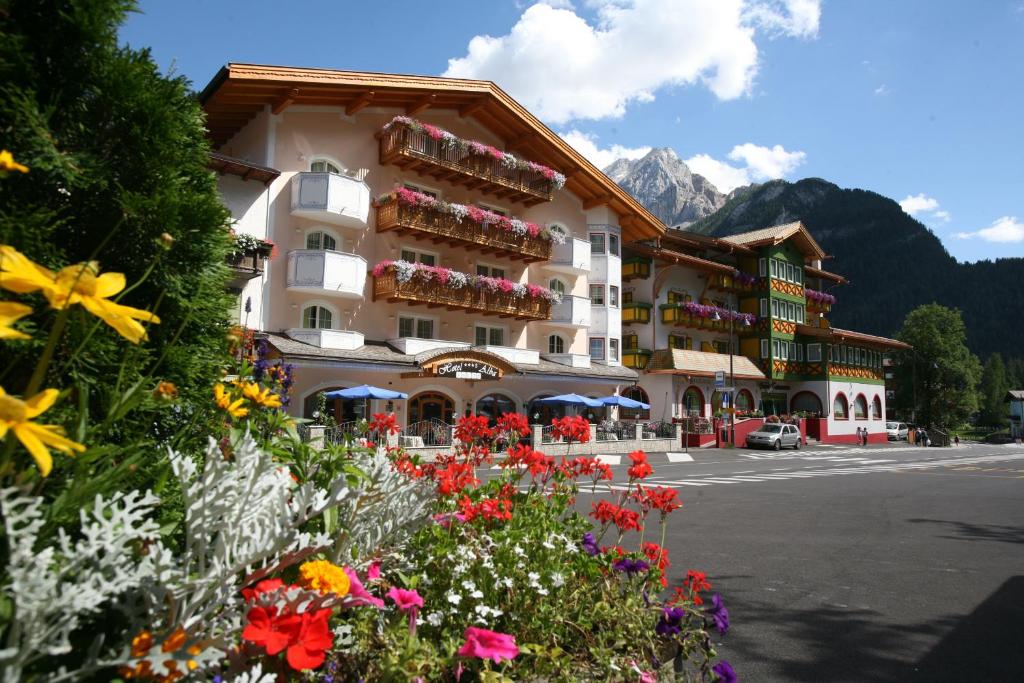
(838, 336)
(678, 258)
(697, 241)
(775, 235)
(825, 275)
(245, 170)
(238, 92)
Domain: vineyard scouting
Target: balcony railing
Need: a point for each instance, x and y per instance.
(417, 151)
(571, 311)
(396, 216)
(333, 273)
(679, 314)
(331, 198)
(636, 358)
(245, 265)
(573, 256)
(636, 312)
(386, 286)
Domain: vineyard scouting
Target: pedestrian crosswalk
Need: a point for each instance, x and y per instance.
(866, 467)
(807, 455)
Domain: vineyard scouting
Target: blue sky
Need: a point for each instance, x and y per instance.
(922, 101)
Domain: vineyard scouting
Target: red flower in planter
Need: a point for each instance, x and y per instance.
(384, 423)
(304, 637)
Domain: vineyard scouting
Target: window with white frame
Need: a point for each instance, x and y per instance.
(613, 350)
(489, 335)
(613, 245)
(493, 209)
(488, 270)
(415, 326)
(764, 348)
(800, 314)
(613, 296)
(320, 240)
(597, 295)
(762, 267)
(556, 285)
(773, 267)
(556, 344)
(775, 308)
(597, 348)
(323, 166)
(317, 318)
(814, 353)
(776, 350)
(764, 306)
(800, 276)
(413, 255)
(800, 352)
(597, 243)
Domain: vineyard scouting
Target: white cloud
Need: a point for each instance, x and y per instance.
(927, 207)
(587, 146)
(882, 90)
(759, 164)
(1005, 230)
(563, 67)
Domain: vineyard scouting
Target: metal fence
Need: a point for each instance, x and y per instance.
(426, 433)
(658, 430)
(616, 431)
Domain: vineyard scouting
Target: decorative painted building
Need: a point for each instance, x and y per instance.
(755, 307)
(430, 236)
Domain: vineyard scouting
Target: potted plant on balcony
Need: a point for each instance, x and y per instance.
(249, 253)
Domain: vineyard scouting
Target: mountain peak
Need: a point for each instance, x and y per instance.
(663, 183)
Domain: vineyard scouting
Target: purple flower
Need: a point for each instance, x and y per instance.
(631, 566)
(259, 369)
(718, 613)
(671, 621)
(725, 672)
(590, 544)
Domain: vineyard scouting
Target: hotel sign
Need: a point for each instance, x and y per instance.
(467, 369)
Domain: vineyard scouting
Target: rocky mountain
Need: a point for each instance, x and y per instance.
(666, 186)
(894, 262)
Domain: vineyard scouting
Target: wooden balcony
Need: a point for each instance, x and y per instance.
(636, 312)
(437, 226)
(386, 287)
(636, 358)
(635, 267)
(415, 151)
(730, 283)
(675, 314)
(246, 265)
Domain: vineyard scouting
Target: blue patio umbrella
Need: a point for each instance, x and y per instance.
(623, 402)
(571, 400)
(365, 391)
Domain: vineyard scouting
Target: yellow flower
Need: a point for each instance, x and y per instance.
(37, 439)
(77, 284)
(10, 312)
(260, 396)
(321, 575)
(7, 163)
(224, 402)
(165, 391)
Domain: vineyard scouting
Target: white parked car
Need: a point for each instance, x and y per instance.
(896, 431)
(775, 436)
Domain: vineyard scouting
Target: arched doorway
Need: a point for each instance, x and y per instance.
(860, 407)
(494, 406)
(637, 394)
(876, 408)
(543, 413)
(840, 408)
(806, 402)
(744, 400)
(693, 402)
(342, 410)
(430, 405)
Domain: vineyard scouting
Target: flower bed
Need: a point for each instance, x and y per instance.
(478, 149)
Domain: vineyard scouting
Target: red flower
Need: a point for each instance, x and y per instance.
(454, 478)
(692, 585)
(658, 498)
(659, 558)
(624, 519)
(384, 423)
(640, 470)
(306, 651)
(572, 429)
(305, 636)
(513, 423)
(473, 428)
(265, 586)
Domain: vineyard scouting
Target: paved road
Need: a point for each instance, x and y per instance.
(885, 563)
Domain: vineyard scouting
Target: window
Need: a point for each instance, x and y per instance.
(630, 341)
(597, 348)
(322, 166)
(790, 276)
(489, 335)
(613, 245)
(321, 240)
(842, 354)
(627, 296)
(613, 350)
(762, 267)
(775, 308)
(800, 314)
(814, 353)
(800, 276)
(720, 346)
(677, 297)
(560, 229)
(556, 344)
(556, 285)
(764, 306)
(637, 394)
(800, 352)
(411, 326)
(493, 209)
(489, 271)
(613, 296)
(764, 348)
(421, 190)
(776, 351)
(840, 408)
(679, 341)
(860, 408)
(792, 350)
(316, 318)
(774, 267)
(597, 295)
(597, 243)
(416, 256)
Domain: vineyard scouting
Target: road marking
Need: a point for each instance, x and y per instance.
(609, 459)
(680, 457)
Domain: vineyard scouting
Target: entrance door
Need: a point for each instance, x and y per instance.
(430, 406)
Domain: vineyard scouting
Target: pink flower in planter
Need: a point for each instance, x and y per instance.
(373, 573)
(505, 285)
(379, 269)
(533, 229)
(442, 275)
(407, 601)
(486, 644)
(433, 131)
(357, 593)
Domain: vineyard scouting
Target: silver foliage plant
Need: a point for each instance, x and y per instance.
(244, 520)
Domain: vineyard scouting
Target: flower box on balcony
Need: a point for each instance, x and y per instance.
(416, 283)
(636, 358)
(406, 211)
(246, 261)
(635, 267)
(416, 146)
(636, 312)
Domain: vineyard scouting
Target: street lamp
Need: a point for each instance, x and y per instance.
(732, 375)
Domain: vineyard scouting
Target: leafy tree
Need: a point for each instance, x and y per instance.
(992, 392)
(937, 381)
